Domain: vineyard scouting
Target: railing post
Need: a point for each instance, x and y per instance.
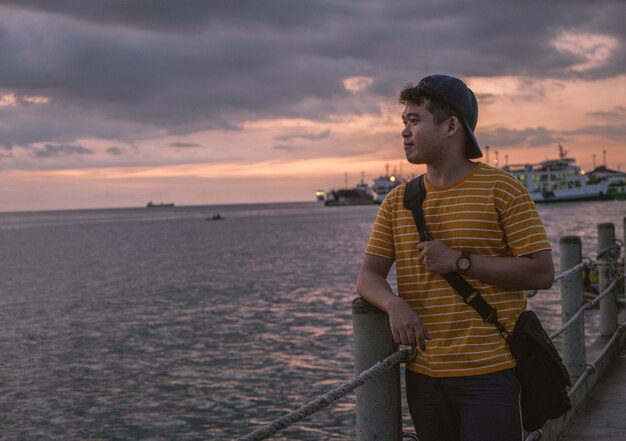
(571, 301)
(608, 305)
(378, 414)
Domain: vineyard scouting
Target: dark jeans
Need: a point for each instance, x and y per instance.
(474, 408)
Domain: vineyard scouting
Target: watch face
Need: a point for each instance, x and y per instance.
(463, 264)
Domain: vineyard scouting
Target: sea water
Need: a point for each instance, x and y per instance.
(158, 324)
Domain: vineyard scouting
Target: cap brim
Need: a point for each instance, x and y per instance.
(472, 149)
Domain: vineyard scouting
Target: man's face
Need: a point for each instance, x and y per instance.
(423, 139)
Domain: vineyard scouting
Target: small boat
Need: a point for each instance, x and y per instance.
(559, 180)
(153, 205)
(215, 217)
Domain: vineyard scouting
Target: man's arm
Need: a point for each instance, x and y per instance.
(406, 326)
(531, 271)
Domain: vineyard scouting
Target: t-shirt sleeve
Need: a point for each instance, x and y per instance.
(381, 241)
(523, 228)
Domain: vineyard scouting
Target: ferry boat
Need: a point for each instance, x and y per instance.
(615, 178)
(617, 188)
(363, 193)
(558, 180)
(383, 185)
(360, 195)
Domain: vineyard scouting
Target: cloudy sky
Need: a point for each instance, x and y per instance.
(113, 103)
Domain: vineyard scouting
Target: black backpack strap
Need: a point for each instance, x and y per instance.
(414, 195)
(473, 298)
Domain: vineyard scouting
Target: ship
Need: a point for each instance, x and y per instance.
(615, 178)
(363, 193)
(153, 205)
(385, 183)
(559, 180)
(360, 195)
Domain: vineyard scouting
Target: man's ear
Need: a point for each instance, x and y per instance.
(454, 125)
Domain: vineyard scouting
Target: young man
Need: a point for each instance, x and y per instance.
(483, 224)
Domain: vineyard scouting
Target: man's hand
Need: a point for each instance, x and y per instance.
(406, 326)
(437, 257)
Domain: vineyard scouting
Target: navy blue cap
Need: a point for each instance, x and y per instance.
(456, 93)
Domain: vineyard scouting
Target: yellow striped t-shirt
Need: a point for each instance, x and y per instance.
(488, 212)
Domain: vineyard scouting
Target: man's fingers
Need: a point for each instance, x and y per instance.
(421, 341)
(396, 336)
(412, 336)
(422, 344)
(405, 336)
(409, 338)
(422, 336)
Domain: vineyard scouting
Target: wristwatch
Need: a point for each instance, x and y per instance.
(463, 263)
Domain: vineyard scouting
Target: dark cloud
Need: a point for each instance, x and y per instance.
(188, 15)
(307, 136)
(284, 147)
(534, 137)
(60, 150)
(125, 70)
(114, 151)
(617, 113)
(617, 133)
(184, 145)
(57, 123)
(486, 98)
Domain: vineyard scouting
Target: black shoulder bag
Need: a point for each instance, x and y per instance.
(543, 377)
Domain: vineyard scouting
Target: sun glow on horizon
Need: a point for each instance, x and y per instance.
(309, 168)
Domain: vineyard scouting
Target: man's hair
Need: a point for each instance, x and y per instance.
(440, 110)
